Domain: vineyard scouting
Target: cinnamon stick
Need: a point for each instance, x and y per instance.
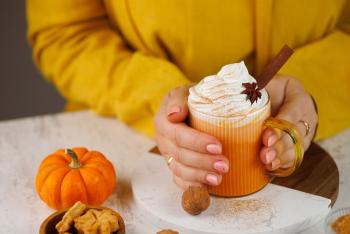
(274, 66)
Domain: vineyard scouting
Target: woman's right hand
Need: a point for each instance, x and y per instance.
(197, 157)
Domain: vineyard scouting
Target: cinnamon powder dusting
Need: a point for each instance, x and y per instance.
(246, 215)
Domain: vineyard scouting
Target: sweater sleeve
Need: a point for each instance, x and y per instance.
(324, 69)
(77, 50)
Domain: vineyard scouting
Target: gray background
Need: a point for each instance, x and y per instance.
(23, 91)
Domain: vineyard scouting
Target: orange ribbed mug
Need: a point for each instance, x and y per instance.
(241, 139)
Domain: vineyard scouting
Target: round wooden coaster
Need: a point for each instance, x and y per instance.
(318, 175)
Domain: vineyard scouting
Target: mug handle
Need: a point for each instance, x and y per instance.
(297, 140)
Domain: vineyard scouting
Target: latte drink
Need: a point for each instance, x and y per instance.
(218, 106)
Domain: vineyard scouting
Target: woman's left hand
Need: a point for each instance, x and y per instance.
(289, 101)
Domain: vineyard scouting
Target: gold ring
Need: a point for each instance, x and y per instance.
(170, 159)
(307, 126)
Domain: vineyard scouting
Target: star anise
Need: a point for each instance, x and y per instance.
(252, 92)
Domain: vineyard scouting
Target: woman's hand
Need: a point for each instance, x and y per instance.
(197, 158)
(290, 102)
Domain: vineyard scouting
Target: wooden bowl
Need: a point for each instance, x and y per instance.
(49, 224)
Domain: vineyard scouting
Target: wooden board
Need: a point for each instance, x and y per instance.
(317, 175)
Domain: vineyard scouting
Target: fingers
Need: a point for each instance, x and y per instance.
(186, 137)
(267, 155)
(278, 150)
(177, 109)
(297, 106)
(270, 136)
(194, 175)
(210, 163)
(183, 135)
(303, 131)
(197, 158)
(277, 156)
(297, 102)
(192, 139)
(217, 163)
(292, 110)
(192, 167)
(275, 164)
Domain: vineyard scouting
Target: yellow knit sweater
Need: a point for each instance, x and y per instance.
(120, 57)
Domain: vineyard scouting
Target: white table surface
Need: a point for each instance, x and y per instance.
(25, 142)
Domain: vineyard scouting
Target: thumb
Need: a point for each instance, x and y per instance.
(294, 105)
(289, 112)
(177, 109)
(292, 109)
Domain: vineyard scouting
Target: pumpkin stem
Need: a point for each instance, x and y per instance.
(75, 162)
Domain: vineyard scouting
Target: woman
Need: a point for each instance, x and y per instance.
(121, 57)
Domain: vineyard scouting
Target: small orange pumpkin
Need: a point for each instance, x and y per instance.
(68, 176)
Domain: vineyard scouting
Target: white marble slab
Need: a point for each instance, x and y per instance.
(24, 143)
(274, 209)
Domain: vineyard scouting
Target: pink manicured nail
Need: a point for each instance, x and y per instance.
(270, 156)
(213, 180)
(221, 166)
(214, 149)
(173, 110)
(272, 140)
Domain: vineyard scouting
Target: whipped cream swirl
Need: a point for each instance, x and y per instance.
(220, 95)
